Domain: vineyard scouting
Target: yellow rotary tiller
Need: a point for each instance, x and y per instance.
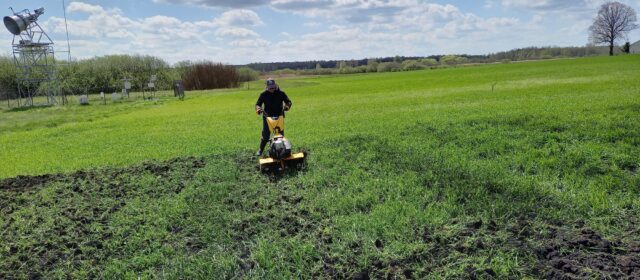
(280, 155)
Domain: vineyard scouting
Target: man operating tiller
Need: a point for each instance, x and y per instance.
(275, 103)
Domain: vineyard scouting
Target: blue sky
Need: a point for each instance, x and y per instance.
(244, 31)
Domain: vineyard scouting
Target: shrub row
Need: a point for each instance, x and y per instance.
(107, 74)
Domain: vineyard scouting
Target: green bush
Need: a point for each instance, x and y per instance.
(247, 74)
(389, 67)
(8, 85)
(428, 62)
(410, 65)
(372, 65)
(352, 70)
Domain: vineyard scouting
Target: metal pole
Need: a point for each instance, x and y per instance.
(64, 10)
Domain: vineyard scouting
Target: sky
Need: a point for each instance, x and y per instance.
(246, 31)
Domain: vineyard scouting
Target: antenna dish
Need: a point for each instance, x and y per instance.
(15, 24)
(19, 22)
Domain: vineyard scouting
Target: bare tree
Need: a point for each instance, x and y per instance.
(613, 22)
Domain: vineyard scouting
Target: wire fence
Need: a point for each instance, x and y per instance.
(93, 99)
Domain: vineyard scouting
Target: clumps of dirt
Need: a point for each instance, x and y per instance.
(295, 222)
(587, 255)
(416, 264)
(63, 225)
(274, 209)
(574, 251)
(472, 238)
(162, 168)
(245, 262)
(28, 182)
(387, 269)
(556, 252)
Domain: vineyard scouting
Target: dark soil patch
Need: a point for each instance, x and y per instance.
(156, 168)
(27, 182)
(565, 253)
(63, 221)
(587, 255)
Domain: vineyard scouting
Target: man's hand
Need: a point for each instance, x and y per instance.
(258, 110)
(286, 107)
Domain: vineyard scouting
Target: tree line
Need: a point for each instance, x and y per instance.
(108, 73)
(398, 63)
(312, 64)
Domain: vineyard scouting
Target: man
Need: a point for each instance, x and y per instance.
(275, 102)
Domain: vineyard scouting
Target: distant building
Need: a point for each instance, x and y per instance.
(635, 48)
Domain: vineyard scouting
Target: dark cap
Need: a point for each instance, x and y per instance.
(271, 84)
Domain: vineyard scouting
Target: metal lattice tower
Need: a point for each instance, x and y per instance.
(34, 57)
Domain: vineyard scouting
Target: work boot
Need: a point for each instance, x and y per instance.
(263, 143)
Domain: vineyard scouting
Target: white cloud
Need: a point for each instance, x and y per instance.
(574, 6)
(109, 31)
(358, 29)
(239, 18)
(235, 32)
(411, 28)
(217, 3)
(249, 43)
(351, 10)
(100, 22)
(84, 8)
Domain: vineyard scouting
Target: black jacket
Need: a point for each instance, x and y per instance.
(273, 102)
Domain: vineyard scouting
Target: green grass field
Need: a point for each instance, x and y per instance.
(425, 174)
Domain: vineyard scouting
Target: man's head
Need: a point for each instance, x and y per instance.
(271, 85)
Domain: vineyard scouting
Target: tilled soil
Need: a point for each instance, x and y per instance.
(551, 251)
(563, 252)
(22, 183)
(276, 205)
(44, 232)
(585, 254)
(27, 182)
